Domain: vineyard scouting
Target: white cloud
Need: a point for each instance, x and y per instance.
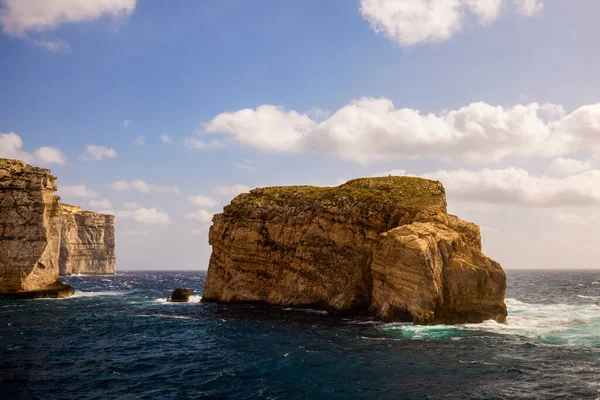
(197, 232)
(55, 46)
(512, 186)
(371, 129)
(140, 140)
(141, 186)
(568, 166)
(145, 216)
(126, 123)
(18, 17)
(97, 153)
(233, 190)
(130, 206)
(200, 215)
(11, 146)
(268, 128)
(76, 191)
(166, 138)
(203, 201)
(409, 22)
(49, 155)
(200, 144)
(529, 7)
(103, 204)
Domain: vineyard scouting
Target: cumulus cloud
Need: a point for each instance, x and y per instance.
(18, 17)
(200, 144)
(568, 166)
(145, 216)
(517, 187)
(233, 190)
(141, 186)
(11, 146)
(409, 22)
(529, 7)
(166, 138)
(76, 191)
(200, 215)
(203, 201)
(371, 129)
(49, 155)
(98, 153)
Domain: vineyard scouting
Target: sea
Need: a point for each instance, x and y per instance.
(118, 338)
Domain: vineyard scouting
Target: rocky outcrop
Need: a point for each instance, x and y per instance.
(181, 295)
(32, 225)
(384, 245)
(87, 244)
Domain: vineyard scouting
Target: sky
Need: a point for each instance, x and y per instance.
(161, 112)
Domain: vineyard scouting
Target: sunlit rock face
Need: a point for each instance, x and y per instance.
(380, 245)
(33, 224)
(87, 243)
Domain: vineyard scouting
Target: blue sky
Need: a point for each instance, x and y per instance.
(512, 86)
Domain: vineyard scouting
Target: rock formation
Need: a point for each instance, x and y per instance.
(181, 295)
(33, 223)
(87, 244)
(384, 245)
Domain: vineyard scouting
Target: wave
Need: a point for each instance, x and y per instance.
(96, 294)
(163, 316)
(557, 324)
(193, 300)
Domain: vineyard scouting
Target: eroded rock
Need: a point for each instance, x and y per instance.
(384, 245)
(181, 295)
(32, 225)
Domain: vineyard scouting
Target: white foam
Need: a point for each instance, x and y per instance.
(193, 300)
(545, 323)
(164, 316)
(96, 294)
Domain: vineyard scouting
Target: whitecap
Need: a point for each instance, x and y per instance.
(193, 300)
(164, 316)
(554, 324)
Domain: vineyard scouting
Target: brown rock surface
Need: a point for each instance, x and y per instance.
(33, 224)
(381, 244)
(87, 244)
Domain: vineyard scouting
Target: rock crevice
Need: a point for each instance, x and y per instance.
(384, 245)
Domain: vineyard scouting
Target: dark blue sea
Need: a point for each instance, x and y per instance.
(118, 338)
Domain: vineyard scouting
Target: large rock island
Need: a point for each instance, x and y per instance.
(381, 245)
(40, 237)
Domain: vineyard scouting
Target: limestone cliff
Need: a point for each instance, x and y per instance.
(40, 237)
(87, 244)
(384, 245)
(29, 232)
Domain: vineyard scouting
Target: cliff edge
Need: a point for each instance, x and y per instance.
(40, 237)
(384, 245)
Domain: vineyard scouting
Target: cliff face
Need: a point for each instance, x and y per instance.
(33, 224)
(29, 230)
(87, 244)
(381, 244)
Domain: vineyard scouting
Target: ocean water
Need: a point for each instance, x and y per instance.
(118, 338)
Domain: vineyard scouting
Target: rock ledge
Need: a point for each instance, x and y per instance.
(380, 245)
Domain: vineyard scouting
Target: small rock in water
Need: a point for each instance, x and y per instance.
(181, 295)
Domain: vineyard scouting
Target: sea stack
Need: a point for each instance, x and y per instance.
(33, 224)
(380, 245)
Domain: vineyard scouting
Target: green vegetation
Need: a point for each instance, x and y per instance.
(408, 192)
